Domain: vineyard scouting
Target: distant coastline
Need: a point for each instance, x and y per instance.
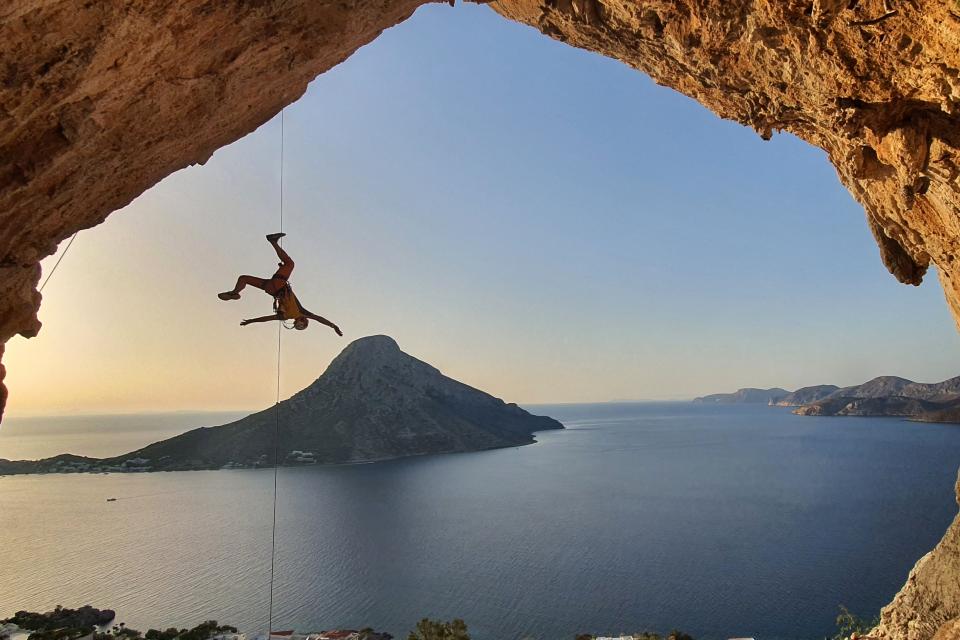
(884, 396)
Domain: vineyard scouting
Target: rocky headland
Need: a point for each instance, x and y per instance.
(891, 396)
(892, 406)
(374, 402)
(881, 396)
(748, 395)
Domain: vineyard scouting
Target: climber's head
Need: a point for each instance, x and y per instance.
(301, 323)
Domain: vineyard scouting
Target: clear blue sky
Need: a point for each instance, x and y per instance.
(538, 221)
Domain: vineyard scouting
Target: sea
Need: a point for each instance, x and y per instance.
(720, 520)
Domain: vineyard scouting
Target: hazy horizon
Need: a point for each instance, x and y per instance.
(626, 400)
(536, 221)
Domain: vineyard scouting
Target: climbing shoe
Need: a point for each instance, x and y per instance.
(229, 295)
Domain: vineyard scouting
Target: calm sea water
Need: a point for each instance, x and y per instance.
(722, 521)
(46, 436)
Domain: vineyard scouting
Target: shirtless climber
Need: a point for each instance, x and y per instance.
(285, 303)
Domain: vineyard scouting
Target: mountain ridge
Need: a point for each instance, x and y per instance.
(806, 395)
(880, 396)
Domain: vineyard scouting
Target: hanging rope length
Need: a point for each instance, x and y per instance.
(57, 263)
(276, 435)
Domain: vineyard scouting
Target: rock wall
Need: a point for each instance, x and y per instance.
(100, 100)
(928, 606)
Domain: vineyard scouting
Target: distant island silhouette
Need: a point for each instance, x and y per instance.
(881, 396)
(374, 402)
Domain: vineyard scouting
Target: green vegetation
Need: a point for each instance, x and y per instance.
(72, 624)
(203, 631)
(119, 630)
(61, 619)
(61, 623)
(437, 630)
(849, 624)
(72, 633)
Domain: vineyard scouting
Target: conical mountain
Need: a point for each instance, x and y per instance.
(373, 402)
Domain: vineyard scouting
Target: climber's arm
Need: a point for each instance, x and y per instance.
(319, 319)
(275, 316)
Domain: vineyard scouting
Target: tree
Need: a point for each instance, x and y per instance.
(849, 624)
(437, 630)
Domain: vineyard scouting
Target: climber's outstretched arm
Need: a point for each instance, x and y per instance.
(321, 320)
(275, 316)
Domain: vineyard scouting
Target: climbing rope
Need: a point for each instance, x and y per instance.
(57, 263)
(276, 435)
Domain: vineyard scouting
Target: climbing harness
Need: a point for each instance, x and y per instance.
(281, 299)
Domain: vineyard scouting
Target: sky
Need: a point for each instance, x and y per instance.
(540, 222)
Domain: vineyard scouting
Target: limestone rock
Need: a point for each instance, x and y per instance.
(949, 631)
(928, 606)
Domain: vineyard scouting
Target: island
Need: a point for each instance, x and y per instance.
(374, 402)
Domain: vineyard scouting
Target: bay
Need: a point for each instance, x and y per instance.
(722, 521)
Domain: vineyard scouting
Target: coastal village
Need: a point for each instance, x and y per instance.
(75, 464)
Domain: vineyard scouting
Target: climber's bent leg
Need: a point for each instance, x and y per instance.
(242, 282)
(286, 262)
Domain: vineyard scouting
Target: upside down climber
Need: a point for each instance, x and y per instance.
(285, 303)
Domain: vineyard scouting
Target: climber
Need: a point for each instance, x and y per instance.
(285, 303)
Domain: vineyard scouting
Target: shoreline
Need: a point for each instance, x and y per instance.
(346, 463)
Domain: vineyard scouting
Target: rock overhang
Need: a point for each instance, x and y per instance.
(101, 100)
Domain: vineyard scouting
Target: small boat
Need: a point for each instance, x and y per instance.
(111, 499)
